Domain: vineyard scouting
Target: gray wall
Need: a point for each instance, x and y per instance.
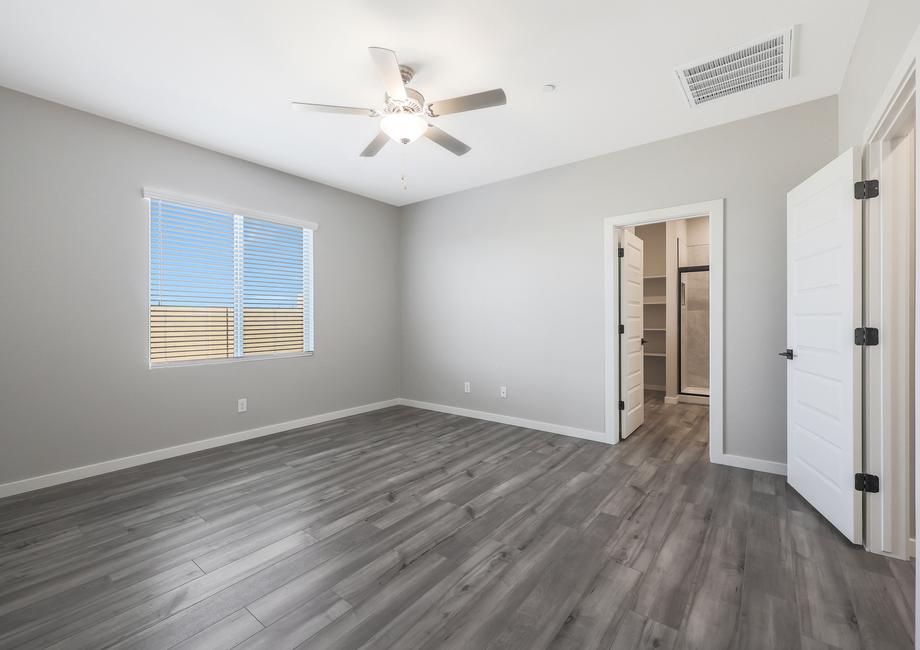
(75, 387)
(504, 284)
(886, 32)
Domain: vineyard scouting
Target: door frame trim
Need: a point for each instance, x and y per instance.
(715, 210)
(886, 515)
(909, 60)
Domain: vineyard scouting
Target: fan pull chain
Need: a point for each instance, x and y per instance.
(402, 178)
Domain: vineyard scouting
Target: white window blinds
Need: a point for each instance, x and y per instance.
(274, 285)
(225, 285)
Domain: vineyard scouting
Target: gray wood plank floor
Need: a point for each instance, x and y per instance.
(406, 528)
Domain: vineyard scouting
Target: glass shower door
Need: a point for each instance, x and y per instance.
(693, 339)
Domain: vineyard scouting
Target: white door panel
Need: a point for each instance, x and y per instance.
(823, 308)
(633, 359)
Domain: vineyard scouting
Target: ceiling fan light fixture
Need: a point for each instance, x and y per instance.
(403, 127)
(405, 111)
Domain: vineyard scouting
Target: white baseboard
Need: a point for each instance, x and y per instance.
(585, 434)
(693, 399)
(104, 467)
(76, 473)
(745, 462)
(670, 399)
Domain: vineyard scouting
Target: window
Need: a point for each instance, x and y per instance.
(225, 285)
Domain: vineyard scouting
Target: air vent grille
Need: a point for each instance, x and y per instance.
(755, 65)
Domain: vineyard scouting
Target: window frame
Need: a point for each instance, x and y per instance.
(236, 211)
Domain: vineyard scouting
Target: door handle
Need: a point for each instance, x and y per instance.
(788, 354)
(641, 341)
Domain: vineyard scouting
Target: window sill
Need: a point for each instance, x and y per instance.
(211, 362)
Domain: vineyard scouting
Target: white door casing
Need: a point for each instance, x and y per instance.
(633, 360)
(889, 276)
(823, 381)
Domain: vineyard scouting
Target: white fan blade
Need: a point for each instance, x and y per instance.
(449, 142)
(375, 145)
(327, 108)
(388, 67)
(468, 102)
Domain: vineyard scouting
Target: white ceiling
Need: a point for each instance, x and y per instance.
(221, 74)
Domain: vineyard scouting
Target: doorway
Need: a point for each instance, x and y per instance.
(704, 358)
(664, 309)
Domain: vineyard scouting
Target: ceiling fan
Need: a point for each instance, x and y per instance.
(405, 111)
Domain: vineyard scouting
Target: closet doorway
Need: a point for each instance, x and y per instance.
(664, 316)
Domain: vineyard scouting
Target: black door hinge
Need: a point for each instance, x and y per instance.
(866, 483)
(866, 336)
(621, 252)
(865, 189)
(622, 328)
(622, 405)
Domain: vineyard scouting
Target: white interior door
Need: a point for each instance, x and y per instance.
(823, 308)
(632, 364)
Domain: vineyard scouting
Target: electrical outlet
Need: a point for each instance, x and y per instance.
(241, 405)
(503, 392)
(466, 387)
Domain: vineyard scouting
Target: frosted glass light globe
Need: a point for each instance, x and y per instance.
(403, 127)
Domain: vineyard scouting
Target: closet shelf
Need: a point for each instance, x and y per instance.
(655, 277)
(654, 300)
(654, 354)
(654, 329)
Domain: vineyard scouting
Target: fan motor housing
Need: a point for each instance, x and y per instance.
(414, 103)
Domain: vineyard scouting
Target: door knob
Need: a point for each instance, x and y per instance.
(788, 354)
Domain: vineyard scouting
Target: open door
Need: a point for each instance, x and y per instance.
(632, 363)
(823, 381)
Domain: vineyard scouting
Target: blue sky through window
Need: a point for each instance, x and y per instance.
(192, 259)
(191, 256)
(272, 265)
